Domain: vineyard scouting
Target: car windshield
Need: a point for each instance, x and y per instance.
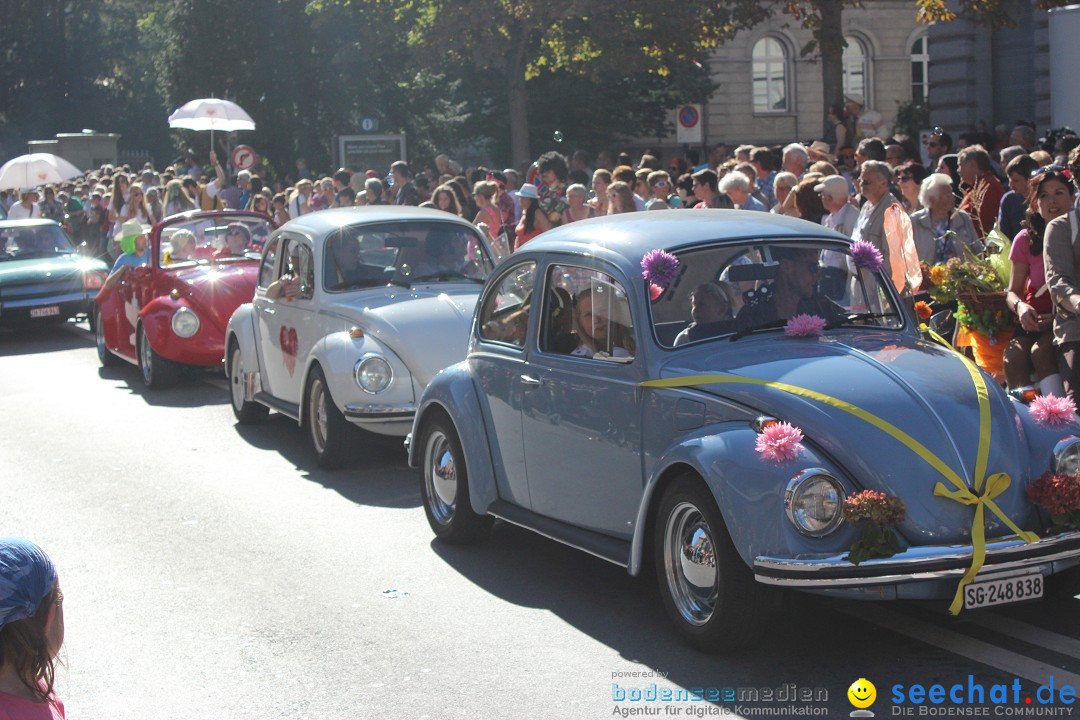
(732, 291)
(212, 238)
(22, 242)
(359, 256)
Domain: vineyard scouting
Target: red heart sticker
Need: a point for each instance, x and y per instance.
(42, 176)
(211, 112)
(288, 348)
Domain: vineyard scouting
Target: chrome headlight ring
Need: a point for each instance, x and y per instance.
(373, 373)
(814, 502)
(185, 322)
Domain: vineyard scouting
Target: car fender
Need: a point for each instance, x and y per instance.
(337, 354)
(242, 329)
(110, 305)
(155, 318)
(452, 391)
(748, 490)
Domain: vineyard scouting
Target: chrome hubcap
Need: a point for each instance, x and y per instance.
(237, 380)
(690, 563)
(317, 415)
(146, 355)
(440, 476)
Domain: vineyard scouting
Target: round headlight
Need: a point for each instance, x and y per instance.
(1067, 456)
(185, 323)
(814, 502)
(373, 374)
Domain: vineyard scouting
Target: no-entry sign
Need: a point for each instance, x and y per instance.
(689, 128)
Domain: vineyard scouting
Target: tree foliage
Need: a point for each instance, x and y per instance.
(504, 75)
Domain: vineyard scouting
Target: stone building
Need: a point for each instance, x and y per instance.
(988, 78)
(768, 92)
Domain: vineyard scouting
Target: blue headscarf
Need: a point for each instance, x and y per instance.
(27, 575)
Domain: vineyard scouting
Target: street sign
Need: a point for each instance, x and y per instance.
(369, 152)
(369, 124)
(243, 157)
(689, 128)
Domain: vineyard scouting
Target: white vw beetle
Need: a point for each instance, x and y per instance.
(355, 312)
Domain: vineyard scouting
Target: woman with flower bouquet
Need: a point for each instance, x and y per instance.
(976, 283)
(1049, 197)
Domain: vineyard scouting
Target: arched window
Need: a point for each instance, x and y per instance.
(857, 69)
(770, 74)
(920, 70)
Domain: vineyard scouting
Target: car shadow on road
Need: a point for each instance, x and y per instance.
(190, 391)
(35, 339)
(805, 640)
(378, 475)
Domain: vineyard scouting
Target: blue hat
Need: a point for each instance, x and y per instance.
(27, 575)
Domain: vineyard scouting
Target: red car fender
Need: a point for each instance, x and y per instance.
(109, 304)
(156, 318)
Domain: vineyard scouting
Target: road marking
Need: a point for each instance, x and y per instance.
(970, 648)
(1029, 633)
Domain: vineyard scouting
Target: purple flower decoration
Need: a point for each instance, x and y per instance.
(779, 443)
(1052, 410)
(659, 267)
(804, 326)
(866, 256)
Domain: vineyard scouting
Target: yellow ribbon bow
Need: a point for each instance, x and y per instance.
(994, 486)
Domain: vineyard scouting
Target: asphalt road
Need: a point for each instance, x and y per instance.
(213, 571)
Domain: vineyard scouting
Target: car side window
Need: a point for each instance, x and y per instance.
(504, 316)
(306, 272)
(586, 314)
(266, 268)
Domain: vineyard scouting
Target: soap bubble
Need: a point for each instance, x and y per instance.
(558, 136)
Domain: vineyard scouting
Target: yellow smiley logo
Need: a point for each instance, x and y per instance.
(862, 693)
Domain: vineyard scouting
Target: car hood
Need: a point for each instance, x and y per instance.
(33, 270)
(426, 326)
(921, 388)
(215, 291)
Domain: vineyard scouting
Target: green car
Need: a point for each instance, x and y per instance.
(42, 278)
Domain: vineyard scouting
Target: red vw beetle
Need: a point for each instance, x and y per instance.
(174, 310)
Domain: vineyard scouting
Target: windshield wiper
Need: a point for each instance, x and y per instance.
(856, 317)
(754, 328)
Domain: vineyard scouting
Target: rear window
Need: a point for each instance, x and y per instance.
(404, 253)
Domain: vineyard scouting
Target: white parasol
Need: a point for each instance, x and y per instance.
(28, 171)
(211, 114)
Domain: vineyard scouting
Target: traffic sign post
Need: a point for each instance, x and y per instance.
(689, 127)
(243, 157)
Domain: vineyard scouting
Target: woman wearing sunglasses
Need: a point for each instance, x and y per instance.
(909, 177)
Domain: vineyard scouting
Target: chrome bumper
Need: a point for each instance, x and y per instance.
(380, 412)
(916, 564)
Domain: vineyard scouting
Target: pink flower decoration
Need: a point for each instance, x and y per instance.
(779, 442)
(659, 267)
(1052, 410)
(804, 326)
(655, 291)
(866, 256)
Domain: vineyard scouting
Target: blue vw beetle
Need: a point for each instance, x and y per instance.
(718, 417)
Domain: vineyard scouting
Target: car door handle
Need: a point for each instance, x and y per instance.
(531, 381)
(268, 311)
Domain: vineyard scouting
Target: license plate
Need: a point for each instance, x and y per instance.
(1006, 590)
(45, 311)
